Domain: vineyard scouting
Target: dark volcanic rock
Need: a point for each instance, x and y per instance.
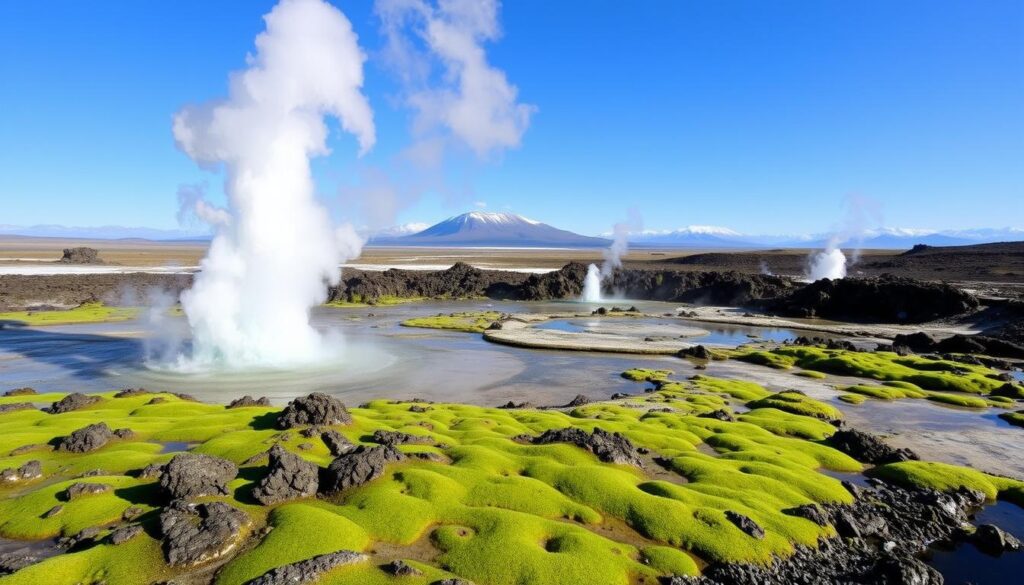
(720, 414)
(745, 523)
(459, 281)
(86, 439)
(131, 393)
(579, 400)
(868, 448)
(71, 402)
(26, 472)
(196, 533)
(994, 540)
(336, 442)
(81, 255)
(707, 288)
(309, 570)
(290, 477)
(356, 467)
(400, 568)
(697, 352)
(190, 475)
(609, 447)
(11, 562)
(14, 406)
(125, 533)
(26, 391)
(87, 536)
(247, 400)
(81, 489)
(811, 512)
(906, 522)
(393, 438)
(315, 409)
(885, 299)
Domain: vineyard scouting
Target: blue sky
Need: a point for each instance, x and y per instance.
(759, 116)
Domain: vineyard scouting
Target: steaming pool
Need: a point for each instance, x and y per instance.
(378, 358)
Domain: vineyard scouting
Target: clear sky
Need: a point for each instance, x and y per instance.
(759, 116)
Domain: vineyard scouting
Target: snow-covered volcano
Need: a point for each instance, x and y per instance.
(479, 228)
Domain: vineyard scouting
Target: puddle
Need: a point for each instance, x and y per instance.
(175, 446)
(857, 479)
(966, 564)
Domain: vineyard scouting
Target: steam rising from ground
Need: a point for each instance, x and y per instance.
(827, 263)
(612, 257)
(859, 213)
(275, 247)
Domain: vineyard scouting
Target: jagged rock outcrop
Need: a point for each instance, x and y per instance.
(316, 409)
(196, 533)
(72, 402)
(25, 472)
(356, 467)
(609, 447)
(289, 477)
(868, 448)
(191, 475)
(247, 401)
(885, 299)
(81, 255)
(309, 570)
(86, 439)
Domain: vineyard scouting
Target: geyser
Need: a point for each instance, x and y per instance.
(275, 248)
(592, 285)
(827, 263)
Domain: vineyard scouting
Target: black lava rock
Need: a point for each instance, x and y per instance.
(289, 477)
(191, 475)
(315, 409)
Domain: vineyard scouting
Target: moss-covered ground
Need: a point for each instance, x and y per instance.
(85, 313)
(475, 322)
(495, 509)
(942, 381)
(359, 302)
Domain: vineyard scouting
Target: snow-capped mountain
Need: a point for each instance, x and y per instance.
(480, 228)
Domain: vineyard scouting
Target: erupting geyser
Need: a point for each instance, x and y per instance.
(275, 247)
(592, 285)
(828, 263)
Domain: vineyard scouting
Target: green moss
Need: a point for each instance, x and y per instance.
(810, 374)
(468, 322)
(358, 302)
(929, 374)
(798, 403)
(958, 400)
(290, 541)
(84, 313)
(1014, 418)
(853, 398)
(943, 476)
(499, 511)
(646, 375)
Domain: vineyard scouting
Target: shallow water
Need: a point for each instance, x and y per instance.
(715, 333)
(379, 359)
(966, 564)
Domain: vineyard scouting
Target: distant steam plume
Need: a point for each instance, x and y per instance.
(612, 256)
(275, 247)
(860, 213)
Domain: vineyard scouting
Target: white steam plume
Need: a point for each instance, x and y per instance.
(612, 257)
(268, 264)
(860, 212)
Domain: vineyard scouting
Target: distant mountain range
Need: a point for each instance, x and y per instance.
(885, 238)
(479, 228)
(487, 229)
